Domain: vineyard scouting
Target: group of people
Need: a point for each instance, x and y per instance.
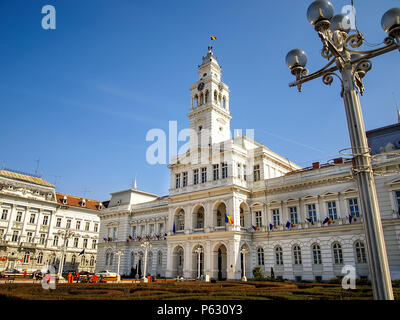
(75, 276)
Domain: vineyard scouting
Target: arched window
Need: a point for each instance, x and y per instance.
(206, 96)
(278, 255)
(73, 259)
(55, 241)
(83, 261)
(180, 220)
(159, 260)
(26, 257)
(260, 256)
(196, 101)
(111, 258)
(201, 98)
(337, 253)
(316, 249)
(297, 254)
(91, 261)
(40, 258)
(242, 217)
(360, 252)
(107, 258)
(180, 257)
(215, 97)
(132, 258)
(200, 218)
(224, 102)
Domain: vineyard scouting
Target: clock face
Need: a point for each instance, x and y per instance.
(200, 86)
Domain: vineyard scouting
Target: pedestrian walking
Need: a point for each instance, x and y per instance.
(78, 276)
(25, 274)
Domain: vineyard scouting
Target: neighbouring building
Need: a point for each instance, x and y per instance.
(33, 219)
(234, 204)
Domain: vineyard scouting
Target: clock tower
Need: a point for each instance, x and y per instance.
(209, 112)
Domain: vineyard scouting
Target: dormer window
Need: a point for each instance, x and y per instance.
(83, 203)
(200, 128)
(100, 206)
(64, 200)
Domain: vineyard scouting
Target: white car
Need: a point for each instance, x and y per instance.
(106, 273)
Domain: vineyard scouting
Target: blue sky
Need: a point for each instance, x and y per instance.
(81, 98)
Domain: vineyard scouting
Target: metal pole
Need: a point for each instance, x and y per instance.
(145, 262)
(377, 258)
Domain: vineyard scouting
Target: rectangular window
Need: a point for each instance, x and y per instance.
(161, 228)
(293, 215)
(94, 242)
(68, 224)
(55, 241)
(14, 236)
(85, 243)
(224, 169)
(276, 217)
(133, 231)
(256, 172)
(215, 172)
(196, 176)
(177, 180)
(185, 179)
(244, 172)
(353, 205)
(239, 170)
(4, 214)
(29, 237)
(398, 201)
(45, 220)
(78, 225)
(203, 175)
(332, 212)
(76, 242)
(312, 212)
(96, 227)
(151, 229)
(258, 219)
(114, 233)
(2, 234)
(19, 216)
(58, 223)
(32, 218)
(42, 238)
(87, 226)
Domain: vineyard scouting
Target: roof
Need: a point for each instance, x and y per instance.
(74, 201)
(25, 177)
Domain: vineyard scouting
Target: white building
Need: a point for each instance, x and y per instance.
(33, 217)
(278, 208)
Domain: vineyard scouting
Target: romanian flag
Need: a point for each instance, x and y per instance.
(255, 228)
(228, 219)
(270, 226)
(213, 38)
(288, 225)
(326, 220)
(310, 221)
(330, 221)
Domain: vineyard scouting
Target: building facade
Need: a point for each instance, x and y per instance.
(34, 219)
(234, 204)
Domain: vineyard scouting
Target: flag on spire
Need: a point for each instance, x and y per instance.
(213, 38)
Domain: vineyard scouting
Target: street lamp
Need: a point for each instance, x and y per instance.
(338, 48)
(199, 251)
(66, 235)
(146, 245)
(119, 254)
(244, 251)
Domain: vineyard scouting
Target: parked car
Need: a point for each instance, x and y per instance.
(10, 272)
(106, 273)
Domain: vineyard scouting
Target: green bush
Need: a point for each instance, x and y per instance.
(257, 274)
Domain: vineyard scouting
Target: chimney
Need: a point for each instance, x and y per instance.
(338, 161)
(316, 165)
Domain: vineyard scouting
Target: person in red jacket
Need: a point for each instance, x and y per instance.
(78, 276)
(25, 274)
(94, 278)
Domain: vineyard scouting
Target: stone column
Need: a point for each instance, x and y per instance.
(170, 259)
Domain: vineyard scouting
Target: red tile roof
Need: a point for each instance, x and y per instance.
(75, 201)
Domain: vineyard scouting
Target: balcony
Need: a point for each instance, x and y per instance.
(17, 225)
(28, 245)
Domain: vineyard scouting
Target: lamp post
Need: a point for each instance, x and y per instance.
(146, 245)
(119, 254)
(199, 251)
(338, 49)
(66, 235)
(244, 251)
